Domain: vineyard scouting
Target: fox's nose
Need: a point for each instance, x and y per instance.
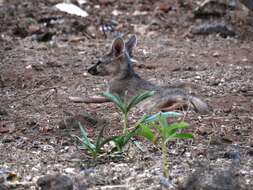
(93, 70)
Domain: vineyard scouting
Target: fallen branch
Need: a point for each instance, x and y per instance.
(88, 100)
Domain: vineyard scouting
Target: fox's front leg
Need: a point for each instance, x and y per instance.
(89, 100)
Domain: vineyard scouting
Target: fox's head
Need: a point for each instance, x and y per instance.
(119, 58)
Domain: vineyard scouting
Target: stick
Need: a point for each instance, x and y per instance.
(89, 100)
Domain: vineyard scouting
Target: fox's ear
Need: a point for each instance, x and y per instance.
(118, 46)
(131, 44)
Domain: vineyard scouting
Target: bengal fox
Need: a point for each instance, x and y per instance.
(124, 82)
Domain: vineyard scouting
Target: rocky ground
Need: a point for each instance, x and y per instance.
(44, 57)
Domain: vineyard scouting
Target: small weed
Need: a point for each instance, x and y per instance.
(157, 130)
(118, 141)
(94, 150)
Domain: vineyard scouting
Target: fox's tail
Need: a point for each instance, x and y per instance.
(199, 105)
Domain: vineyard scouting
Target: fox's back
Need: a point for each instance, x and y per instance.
(128, 87)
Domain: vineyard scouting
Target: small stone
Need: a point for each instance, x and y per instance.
(244, 60)
(140, 13)
(116, 13)
(165, 7)
(97, 6)
(227, 139)
(28, 67)
(70, 170)
(91, 30)
(216, 54)
(152, 34)
(218, 64)
(250, 152)
(4, 129)
(244, 89)
(203, 130)
(34, 29)
(197, 77)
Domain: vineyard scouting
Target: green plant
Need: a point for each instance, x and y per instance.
(157, 130)
(94, 150)
(119, 141)
(126, 107)
(143, 127)
(98, 149)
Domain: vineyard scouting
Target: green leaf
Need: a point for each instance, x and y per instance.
(146, 132)
(130, 134)
(85, 140)
(179, 136)
(122, 140)
(138, 98)
(116, 100)
(119, 142)
(154, 117)
(173, 128)
(179, 125)
(184, 136)
(99, 139)
(164, 127)
(163, 122)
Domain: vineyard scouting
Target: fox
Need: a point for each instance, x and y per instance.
(126, 83)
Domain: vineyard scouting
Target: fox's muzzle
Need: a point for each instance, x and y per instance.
(93, 69)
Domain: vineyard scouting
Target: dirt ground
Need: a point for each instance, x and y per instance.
(44, 57)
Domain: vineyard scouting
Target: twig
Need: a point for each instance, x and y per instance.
(88, 100)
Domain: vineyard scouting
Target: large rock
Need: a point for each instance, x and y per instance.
(55, 182)
(205, 179)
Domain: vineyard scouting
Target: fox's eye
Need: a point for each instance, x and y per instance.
(99, 62)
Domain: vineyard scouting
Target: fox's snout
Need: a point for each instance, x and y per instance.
(98, 69)
(93, 70)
